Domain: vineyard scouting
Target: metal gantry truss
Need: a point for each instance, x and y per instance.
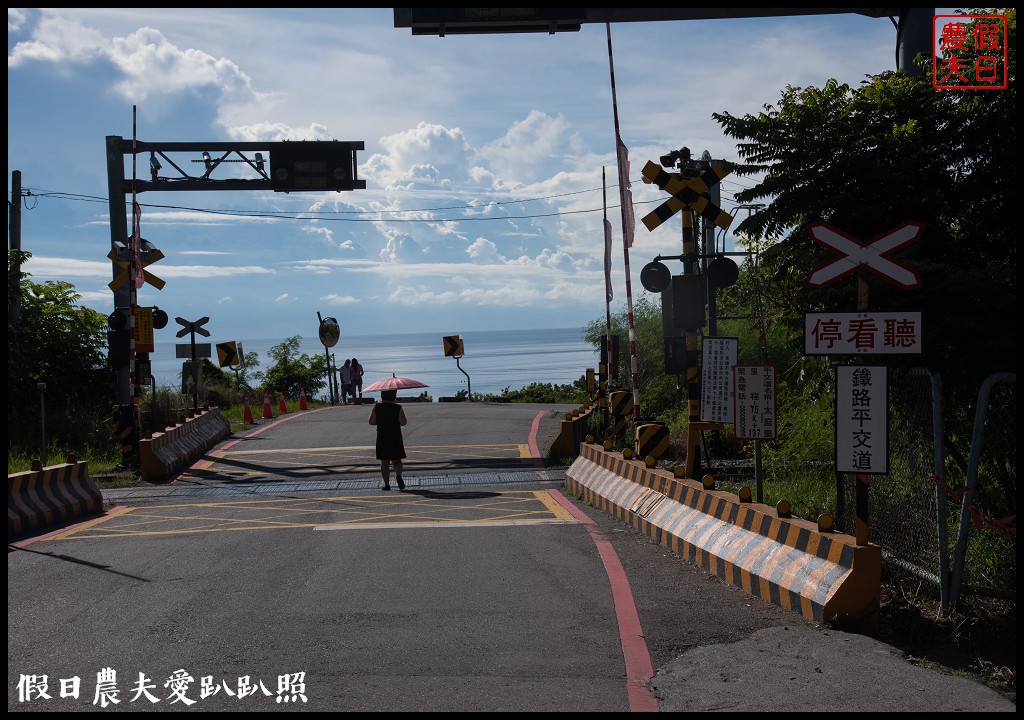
(299, 166)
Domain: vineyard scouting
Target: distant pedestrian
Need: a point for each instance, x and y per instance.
(389, 417)
(347, 389)
(357, 377)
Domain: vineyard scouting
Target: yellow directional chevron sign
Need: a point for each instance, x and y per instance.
(227, 353)
(122, 277)
(453, 346)
(686, 193)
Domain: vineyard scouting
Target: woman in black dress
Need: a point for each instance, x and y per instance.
(389, 417)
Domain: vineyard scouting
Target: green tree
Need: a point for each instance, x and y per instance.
(658, 391)
(865, 160)
(62, 344)
(248, 370)
(292, 371)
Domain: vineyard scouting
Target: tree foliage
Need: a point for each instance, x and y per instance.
(864, 160)
(293, 371)
(61, 344)
(658, 391)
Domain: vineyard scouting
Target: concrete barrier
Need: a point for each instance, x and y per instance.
(789, 562)
(572, 433)
(164, 454)
(37, 498)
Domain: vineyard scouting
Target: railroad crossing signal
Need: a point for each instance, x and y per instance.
(453, 346)
(192, 327)
(855, 255)
(150, 256)
(686, 192)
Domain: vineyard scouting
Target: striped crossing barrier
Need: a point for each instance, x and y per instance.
(38, 498)
(165, 453)
(785, 561)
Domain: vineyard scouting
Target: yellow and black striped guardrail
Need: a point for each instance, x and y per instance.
(790, 562)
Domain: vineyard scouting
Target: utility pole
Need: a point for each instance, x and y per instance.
(14, 233)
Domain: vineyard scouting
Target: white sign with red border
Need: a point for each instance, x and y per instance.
(863, 333)
(855, 255)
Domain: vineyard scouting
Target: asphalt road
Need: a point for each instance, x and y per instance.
(484, 588)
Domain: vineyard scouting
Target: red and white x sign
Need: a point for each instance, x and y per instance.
(855, 255)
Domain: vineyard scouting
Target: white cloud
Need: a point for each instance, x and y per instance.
(483, 160)
(484, 251)
(15, 19)
(335, 299)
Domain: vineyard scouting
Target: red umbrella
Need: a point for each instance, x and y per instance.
(394, 383)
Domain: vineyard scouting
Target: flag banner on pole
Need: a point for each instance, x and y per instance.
(625, 193)
(140, 276)
(608, 260)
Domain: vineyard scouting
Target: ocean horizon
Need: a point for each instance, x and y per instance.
(493, 360)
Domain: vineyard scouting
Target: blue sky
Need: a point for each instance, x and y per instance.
(483, 156)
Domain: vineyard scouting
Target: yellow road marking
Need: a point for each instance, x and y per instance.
(460, 523)
(363, 448)
(89, 524)
(513, 508)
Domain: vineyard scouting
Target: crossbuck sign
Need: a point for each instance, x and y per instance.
(855, 255)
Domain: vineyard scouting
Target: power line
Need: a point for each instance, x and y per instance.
(380, 215)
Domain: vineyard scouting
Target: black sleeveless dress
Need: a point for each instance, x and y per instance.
(389, 433)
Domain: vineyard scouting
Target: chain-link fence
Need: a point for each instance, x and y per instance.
(946, 509)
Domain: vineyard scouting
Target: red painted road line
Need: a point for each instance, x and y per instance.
(534, 450)
(639, 670)
(70, 526)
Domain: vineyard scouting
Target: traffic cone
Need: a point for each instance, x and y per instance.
(303, 405)
(268, 414)
(247, 416)
(282, 406)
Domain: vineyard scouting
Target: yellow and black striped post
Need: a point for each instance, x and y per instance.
(692, 369)
(621, 402)
(651, 440)
(125, 432)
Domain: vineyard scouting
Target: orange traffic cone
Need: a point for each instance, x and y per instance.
(303, 405)
(247, 415)
(268, 414)
(282, 406)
